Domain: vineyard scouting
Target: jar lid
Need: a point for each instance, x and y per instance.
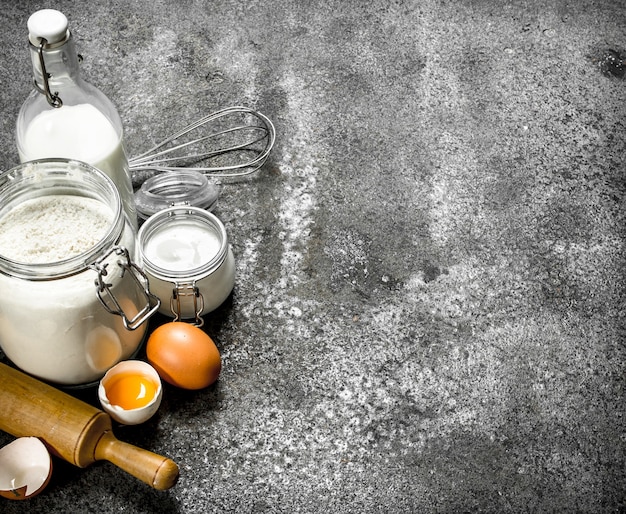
(174, 188)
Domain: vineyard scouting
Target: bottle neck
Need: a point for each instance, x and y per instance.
(60, 62)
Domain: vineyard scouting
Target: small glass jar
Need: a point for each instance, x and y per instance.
(68, 319)
(187, 258)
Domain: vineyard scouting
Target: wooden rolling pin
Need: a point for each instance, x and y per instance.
(73, 429)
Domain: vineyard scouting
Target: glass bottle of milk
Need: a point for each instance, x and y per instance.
(65, 116)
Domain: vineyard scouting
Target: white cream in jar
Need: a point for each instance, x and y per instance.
(61, 233)
(187, 258)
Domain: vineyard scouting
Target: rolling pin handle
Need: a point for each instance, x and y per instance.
(155, 470)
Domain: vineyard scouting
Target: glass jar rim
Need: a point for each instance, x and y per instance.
(174, 188)
(174, 214)
(46, 177)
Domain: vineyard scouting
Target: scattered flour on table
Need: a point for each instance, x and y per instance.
(298, 203)
(52, 228)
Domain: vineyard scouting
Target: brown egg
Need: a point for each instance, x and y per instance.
(184, 355)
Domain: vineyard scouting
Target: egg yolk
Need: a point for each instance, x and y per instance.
(131, 391)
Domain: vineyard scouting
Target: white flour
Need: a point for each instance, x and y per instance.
(52, 228)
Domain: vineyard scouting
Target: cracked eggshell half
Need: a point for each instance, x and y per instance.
(25, 468)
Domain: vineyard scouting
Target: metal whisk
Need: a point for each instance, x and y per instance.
(232, 142)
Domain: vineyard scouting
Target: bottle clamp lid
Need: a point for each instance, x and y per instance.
(48, 24)
(175, 188)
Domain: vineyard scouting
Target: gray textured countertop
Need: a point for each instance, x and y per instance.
(428, 313)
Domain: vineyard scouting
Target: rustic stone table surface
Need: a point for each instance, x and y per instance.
(429, 307)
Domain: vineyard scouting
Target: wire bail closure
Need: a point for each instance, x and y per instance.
(186, 290)
(53, 98)
(103, 289)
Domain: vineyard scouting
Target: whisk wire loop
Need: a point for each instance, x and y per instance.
(249, 152)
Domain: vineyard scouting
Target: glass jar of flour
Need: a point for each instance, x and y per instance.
(74, 300)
